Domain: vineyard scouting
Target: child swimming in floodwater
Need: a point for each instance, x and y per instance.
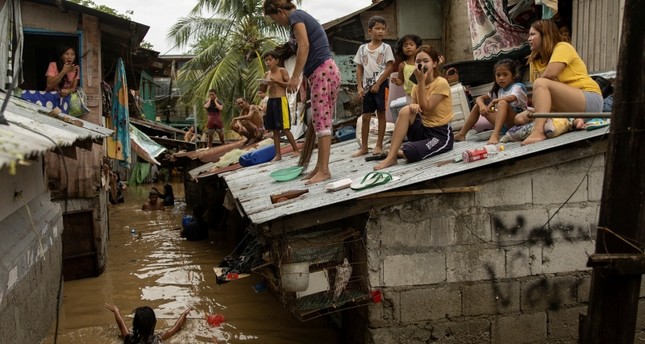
(143, 326)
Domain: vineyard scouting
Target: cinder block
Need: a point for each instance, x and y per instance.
(475, 265)
(520, 328)
(414, 269)
(522, 226)
(510, 191)
(429, 304)
(387, 312)
(398, 335)
(595, 181)
(564, 323)
(565, 256)
(523, 261)
(400, 233)
(584, 286)
(460, 332)
(491, 297)
(442, 231)
(554, 185)
(549, 293)
(575, 223)
(473, 229)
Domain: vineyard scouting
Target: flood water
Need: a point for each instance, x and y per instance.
(167, 273)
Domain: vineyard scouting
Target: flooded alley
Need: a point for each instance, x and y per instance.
(154, 266)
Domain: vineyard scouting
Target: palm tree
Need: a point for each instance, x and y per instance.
(228, 52)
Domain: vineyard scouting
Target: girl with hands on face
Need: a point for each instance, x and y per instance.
(63, 74)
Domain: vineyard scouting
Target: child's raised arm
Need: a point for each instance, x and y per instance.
(119, 319)
(177, 326)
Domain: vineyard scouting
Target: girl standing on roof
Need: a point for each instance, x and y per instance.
(560, 79)
(315, 62)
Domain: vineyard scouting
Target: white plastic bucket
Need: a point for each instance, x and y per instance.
(295, 276)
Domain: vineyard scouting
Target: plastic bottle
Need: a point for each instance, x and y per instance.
(493, 149)
(474, 155)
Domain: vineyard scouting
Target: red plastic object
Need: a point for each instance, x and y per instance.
(232, 276)
(215, 319)
(377, 297)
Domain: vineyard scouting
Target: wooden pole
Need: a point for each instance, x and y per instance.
(613, 299)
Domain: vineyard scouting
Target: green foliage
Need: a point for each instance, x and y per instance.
(103, 8)
(146, 45)
(228, 48)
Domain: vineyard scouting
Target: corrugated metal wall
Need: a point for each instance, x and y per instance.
(596, 32)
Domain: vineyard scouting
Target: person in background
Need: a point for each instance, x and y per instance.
(168, 196)
(153, 202)
(405, 51)
(313, 60)
(278, 116)
(249, 122)
(63, 74)
(143, 325)
(374, 61)
(560, 79)
(190, 134)
(214, 124)
(198, 228)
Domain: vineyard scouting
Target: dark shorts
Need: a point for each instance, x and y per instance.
(375, 101)
(426, 142)
(277, 115)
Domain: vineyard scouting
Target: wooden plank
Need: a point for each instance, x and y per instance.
(423, 192)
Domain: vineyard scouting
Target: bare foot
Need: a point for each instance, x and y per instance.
(359, 153)
(460, 137)
(377, 150)
(310, 174)
(385, 163)
(295, 153)
(533, 138)
(493, 140)
(276, 158)
(578, 124)
(318, 177)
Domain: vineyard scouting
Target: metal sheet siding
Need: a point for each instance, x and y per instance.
(596, 32)
(16, 141)
(252, 186)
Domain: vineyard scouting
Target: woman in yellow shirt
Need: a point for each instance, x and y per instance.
(560, 79)
(426, 121)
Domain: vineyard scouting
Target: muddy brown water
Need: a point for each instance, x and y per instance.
(167, 273)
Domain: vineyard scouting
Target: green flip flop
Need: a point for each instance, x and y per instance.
(371, 179)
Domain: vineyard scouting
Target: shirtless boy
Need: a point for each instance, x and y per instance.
(249, 122)
(153, 202)
(277, 117)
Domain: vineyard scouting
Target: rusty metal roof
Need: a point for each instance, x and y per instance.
(18, 142)
(252, 186)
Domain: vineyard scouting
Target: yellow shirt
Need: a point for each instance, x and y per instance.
(574, 73)
(442, 113)
(408, 70)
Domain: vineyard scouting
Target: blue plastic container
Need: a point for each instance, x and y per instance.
(186, 220)
(345, 133)
(258, 156)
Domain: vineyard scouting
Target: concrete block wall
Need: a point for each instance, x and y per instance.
(30, 270)
(506, 264)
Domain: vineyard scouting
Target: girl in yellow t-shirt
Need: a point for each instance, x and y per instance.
(426, 121)
(560, 79)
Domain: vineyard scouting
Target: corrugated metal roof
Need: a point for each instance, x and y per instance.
(17, 142)
(252, 186)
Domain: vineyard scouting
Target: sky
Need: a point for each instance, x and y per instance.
(160, 15)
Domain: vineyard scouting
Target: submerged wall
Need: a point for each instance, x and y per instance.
(506, 264)
(30, 256)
